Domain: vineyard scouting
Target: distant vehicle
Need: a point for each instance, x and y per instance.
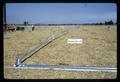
(8, 27)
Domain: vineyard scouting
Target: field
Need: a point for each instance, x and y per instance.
(99, 48)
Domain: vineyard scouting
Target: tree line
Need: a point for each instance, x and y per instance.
(107, 23)
(110, 22)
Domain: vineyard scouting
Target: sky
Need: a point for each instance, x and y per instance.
(60, 13)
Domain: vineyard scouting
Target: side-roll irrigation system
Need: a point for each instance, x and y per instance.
(46, 41)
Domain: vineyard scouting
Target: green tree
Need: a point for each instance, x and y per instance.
(25, 22)
(109, 22)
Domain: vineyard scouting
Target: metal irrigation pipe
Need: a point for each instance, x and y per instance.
(46, 41)
(71, 68)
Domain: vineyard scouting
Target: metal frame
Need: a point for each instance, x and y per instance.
(46, 41)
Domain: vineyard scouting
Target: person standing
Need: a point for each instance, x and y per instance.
(33, 27)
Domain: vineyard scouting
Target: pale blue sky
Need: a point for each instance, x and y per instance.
(57, 13)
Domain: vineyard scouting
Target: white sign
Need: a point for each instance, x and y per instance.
(75, 41)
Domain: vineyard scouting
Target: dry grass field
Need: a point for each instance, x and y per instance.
(99, 48)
